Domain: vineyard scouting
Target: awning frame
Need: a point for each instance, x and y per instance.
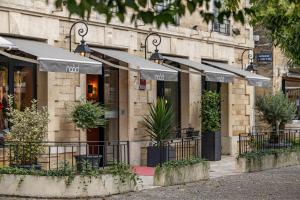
(138, 64)
(59, 60)
(209, 75)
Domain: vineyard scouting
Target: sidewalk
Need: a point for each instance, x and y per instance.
(224, 167)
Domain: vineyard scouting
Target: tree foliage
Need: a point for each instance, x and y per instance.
(281, 19)
(276, 109)
(159, 121)
(210, 112)
(146, 11)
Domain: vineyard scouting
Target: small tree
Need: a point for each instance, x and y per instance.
(87, 115)
(159, 121)
(210, 112)
(276, 110)
(28, 131)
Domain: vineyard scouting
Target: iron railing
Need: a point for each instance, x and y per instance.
(253, 142)
(54, 155)
(98, 154)
(179, 149)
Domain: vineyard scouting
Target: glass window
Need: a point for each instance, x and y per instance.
(292, 90)
(24, 86)
(3, 96)
(111, 102)
(169, 90)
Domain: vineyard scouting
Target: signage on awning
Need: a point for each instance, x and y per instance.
(53, 59)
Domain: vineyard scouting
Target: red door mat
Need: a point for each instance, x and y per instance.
(143, 171)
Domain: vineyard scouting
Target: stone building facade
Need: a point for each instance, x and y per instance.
(35, 19)
(285, 78)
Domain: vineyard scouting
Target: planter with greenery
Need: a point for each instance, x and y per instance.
(276, 110)
(65, 182)
(87, 115)
(27, 133)
(181, 171)
(268, 159)
(211, 135)
(159, 124)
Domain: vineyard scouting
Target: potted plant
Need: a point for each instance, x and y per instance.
(211, 135)
(158, 124)
(276, 110)
(27, 133)
(87, 115)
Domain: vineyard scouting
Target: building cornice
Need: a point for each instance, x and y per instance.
(122, 27)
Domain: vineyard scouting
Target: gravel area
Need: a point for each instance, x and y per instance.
(283, 184)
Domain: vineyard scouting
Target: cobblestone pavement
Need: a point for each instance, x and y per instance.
(283, 184)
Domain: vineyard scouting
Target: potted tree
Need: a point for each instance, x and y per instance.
(159, 124)
(87, 115)
(211, 134)
(27, 133)
(276, 110)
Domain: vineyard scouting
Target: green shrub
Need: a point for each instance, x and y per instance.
(28, 131)
(87, 115)
(159, 121)
(210, 112)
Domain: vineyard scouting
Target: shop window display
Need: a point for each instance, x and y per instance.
(23, 90)
(3, 97)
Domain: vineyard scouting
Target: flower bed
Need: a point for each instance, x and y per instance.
(66, 183)
(182, 171)
(267, 159)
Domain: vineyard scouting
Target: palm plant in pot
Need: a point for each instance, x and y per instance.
(276, 110)
(87, 115)
(211, 134)
(159, 124)
(27, 133)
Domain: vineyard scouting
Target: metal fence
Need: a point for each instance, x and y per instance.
(250, 142)
(54, 155)
(179, 149)
(98, 154)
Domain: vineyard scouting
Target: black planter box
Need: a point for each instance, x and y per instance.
(211, 148)
(81, 160)
(155, 156)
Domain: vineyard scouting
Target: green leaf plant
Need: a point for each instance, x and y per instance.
(159, 122)
(28, 131)
(210, 112)
(276, 110)
(86, 115)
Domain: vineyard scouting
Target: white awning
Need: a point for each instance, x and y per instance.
(211, 74)
(5, 44)
(253, 79)
(148, 70)
(55, 59)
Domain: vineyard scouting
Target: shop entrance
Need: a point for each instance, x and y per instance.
(104, 89)
(170, 90)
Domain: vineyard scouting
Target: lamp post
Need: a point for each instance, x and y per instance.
(83, 49)
(251, 67)
(156, 56)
